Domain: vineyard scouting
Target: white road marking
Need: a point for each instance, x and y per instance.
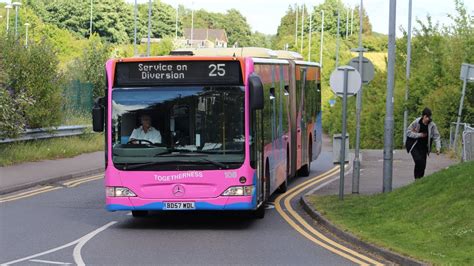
(81, 241)
(51, 262)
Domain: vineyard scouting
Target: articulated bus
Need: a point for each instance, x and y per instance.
(207, 129)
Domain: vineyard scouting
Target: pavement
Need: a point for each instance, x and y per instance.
(371, 172)
(27, 175)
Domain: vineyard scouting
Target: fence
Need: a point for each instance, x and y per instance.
(78, 97)
(468, 144)
(46, 133)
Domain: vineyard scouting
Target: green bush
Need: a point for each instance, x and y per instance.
(31, 73)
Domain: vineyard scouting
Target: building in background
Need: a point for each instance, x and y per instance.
(204, 38)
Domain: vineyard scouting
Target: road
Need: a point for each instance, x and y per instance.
(67, 224)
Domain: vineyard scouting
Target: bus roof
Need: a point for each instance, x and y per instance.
(240, 52)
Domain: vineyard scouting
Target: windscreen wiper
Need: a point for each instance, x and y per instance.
(201, 160)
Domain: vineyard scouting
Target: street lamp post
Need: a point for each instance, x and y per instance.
(388, 124)
(26, 36)
(16, 5)
(149, 28)
(407, 82)
(322, 39)
(8, 7)
(135, 29)
(90, 23)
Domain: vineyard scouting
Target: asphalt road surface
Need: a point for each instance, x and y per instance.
(66, 223)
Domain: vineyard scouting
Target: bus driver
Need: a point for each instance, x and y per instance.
(145, 131)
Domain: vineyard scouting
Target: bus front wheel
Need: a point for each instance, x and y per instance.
(259, 213)
(139, 213)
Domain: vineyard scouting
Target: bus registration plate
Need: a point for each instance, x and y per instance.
(179, 206)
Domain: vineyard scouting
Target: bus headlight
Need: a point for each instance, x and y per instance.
(119, 192)
(239, 191)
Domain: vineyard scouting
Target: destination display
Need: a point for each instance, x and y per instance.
(158, 73)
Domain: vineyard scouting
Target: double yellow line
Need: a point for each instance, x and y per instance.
(45, 189)
(308, 231)
(77, 182)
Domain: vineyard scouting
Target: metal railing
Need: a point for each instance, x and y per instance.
(46, 133)
(462, 128)
(468, 144)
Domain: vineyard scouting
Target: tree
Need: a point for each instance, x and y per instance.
(90, 66)
(111, 19)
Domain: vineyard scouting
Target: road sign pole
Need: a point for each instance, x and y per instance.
(388, 133)
(460, 108)
(342, 159)
(337, 40)
(356, 163)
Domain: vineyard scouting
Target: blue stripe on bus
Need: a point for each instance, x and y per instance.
(199, 206)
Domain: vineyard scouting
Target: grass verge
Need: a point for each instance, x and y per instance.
(431, 220)
(56, 148)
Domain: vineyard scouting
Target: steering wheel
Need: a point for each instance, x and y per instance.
(140, 141)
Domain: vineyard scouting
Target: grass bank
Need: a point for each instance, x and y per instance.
(56, 148)
(431, 220)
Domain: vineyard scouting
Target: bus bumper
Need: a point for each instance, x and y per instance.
(220, 203)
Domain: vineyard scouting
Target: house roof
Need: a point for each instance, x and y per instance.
(206, 34)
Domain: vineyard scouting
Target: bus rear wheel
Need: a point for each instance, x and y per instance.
(139, 213)
(306, 169)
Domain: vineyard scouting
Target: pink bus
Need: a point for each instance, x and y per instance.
(207, 129)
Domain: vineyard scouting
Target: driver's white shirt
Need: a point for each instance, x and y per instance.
(152, 134)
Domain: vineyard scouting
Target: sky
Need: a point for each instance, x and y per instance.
(378, 11)
(264, 15)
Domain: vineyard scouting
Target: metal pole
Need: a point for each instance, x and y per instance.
(342, 155)
(388, 133)
(135, 29)
(26, 37)
(352, 19)
(296, 26)
(356, 163)
(192, 24)
(176, 24)
(302, 28)
(337, 40)
(460, 108)
(90, 23)
(8, 7)
(347, 23)
(16, 18)
(407, 85)
(149, 28)
(310, 33)
(322, 37)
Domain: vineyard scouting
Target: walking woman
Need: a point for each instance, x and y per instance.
(420, 134)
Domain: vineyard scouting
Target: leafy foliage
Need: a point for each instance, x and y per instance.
(31, 75)
(437, 55)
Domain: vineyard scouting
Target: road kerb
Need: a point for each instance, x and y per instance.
(47, 181)
(386, 254)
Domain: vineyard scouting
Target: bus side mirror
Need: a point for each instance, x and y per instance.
(256, 92)
(98, 115)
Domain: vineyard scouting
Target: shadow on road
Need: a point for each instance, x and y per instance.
(195, 220)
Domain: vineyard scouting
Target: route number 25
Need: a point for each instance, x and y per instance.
(217, 70)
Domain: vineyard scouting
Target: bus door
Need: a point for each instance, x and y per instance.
(301, 125)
